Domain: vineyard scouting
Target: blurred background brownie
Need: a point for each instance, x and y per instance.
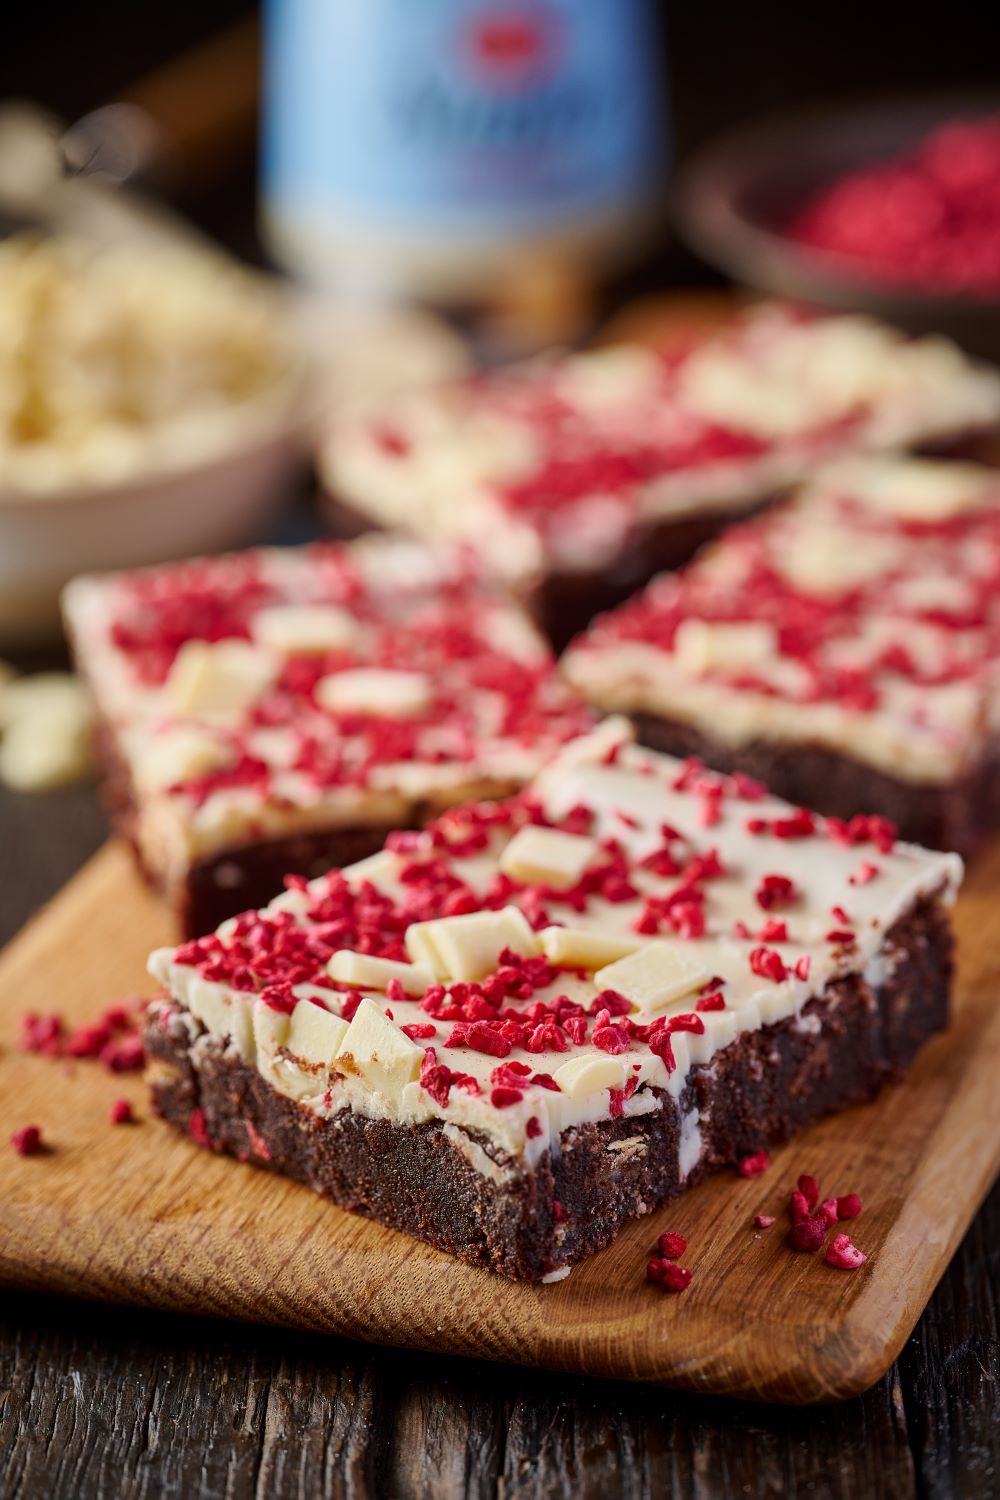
(844, 647)
(598, 469)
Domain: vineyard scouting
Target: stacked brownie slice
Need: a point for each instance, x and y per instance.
(283, 709)
(514, 1031)
(845, 647)
(593, 471)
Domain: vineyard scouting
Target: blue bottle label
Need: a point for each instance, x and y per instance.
(460, 115)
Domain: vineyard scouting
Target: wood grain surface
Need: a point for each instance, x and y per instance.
(136, 1214)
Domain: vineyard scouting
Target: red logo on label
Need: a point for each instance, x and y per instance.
(511, 45)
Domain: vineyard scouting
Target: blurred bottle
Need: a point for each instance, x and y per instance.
(460, 152)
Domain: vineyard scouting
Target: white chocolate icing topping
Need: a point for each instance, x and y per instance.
(705, 909)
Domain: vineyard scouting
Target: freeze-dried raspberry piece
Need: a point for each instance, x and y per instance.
(809, 1234)
(844, 1254)
(752, 1166)
(671, 1245)
(27, 1141)
(809, 1188)
(664, 1273)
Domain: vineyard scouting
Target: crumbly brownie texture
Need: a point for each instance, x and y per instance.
(280, 710)
(845, 647)
(517, 1029)
(567, 465)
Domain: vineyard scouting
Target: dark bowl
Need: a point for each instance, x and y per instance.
(735, 195)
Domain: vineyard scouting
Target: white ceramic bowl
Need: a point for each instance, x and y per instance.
(217, 501)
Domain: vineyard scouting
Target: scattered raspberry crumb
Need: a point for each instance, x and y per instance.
(763, 1221)
(808, 1234)
(533, 1128)
(198, 1128)
(752, 1166)
(27, 1141)
(844, 1254)
(558, 1212)
(828, 1208)
(664, 1273)
(120, 1113)
(848, 1206)
(809, 1188)
(671, 1245)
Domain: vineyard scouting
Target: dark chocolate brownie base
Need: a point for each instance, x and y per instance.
(959, 815)
(754, 1093)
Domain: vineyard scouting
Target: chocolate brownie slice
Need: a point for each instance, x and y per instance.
(516, 1030)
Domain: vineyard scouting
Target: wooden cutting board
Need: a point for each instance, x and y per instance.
(137, 1214)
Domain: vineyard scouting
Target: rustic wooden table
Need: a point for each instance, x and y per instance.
(97, 1402)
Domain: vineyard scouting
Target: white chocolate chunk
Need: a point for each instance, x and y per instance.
(45, 692)
(217, 680)
(315, 1034)
(469, 947)
(363, 972)
(512, 633)
(47, 721)
(718, 384)
(370, 690)
(222, 1012)
(384, 1056)
(653, 976)
(270, 1027)
(576, 948)
(304, 629)
(381, 869)
(180, 754)
(158, 964)
(819, 560)
(702, 646)
(270, 1031)
(923, 489)
(588, 1075)
(618, 375)
(545, 856)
